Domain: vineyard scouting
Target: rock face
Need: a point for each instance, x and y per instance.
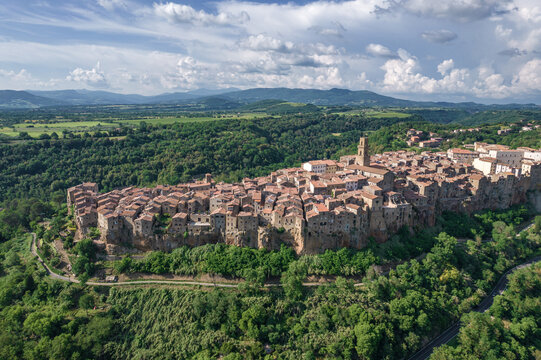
(534, 198)
(314, 244)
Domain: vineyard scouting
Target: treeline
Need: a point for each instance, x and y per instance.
(388, 318)
(222, 259)
(53, 114)
(20, 215)
(510, 329)
(394, 137)
(230, 149)
(480, 225)
(46, 319)
(474, 117)
(169, 154)
(239, 262)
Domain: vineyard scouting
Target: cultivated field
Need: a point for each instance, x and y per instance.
(35, 129)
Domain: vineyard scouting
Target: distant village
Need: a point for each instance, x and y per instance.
(324, 204)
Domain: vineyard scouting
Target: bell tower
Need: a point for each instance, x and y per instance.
(363, 158)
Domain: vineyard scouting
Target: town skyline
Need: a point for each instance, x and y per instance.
(324, 204)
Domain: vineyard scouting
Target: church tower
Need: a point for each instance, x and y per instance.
(363, 158)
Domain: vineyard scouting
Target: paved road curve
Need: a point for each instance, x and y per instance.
(166, 282)
(422, 354)
(453, 330)
(142, 282)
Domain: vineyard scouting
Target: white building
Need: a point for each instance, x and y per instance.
(486, 165)
(462, 155)
(316, 166)
(531, 154)
(509, 157)
(504, 168)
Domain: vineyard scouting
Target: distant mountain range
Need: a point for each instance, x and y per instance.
(10, 99)
(87, 97)
(228, 99)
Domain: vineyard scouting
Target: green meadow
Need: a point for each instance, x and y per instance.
(386, 114)
(35, 129)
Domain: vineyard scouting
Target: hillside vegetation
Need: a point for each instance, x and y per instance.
(388, 317)
(171, 153)
(511, 329)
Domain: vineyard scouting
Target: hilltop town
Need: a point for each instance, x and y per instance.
(324, 204)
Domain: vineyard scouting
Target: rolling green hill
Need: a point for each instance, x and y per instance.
(23, 100)
(226, 99)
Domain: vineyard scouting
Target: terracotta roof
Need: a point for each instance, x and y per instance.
(461, 151)
(369, 196)
(373, 170)
(318, 184)
(321, 207)
(146, 217)
(218, 211)
(374, 180)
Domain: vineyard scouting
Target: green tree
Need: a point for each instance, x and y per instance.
(86, 302)
(292, 280)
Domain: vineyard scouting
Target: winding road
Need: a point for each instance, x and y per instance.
(422, 354)
(144, 282)
(483, 306)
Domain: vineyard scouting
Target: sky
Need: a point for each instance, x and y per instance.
(449, 50)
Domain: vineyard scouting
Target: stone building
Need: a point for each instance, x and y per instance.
(322, 205)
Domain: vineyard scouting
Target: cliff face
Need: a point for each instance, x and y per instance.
(308, 242)
(535, 199)
(271, 239)
(302, 242)
(315, 244)
(305, 241)
(312, 242)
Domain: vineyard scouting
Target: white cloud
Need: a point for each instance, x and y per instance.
(502, 31)
(151, 47)
(403, 75)
(179, 13)
(490, 84)
(93, 77)
(521, 29)
(529, 77)
(445, 66)
(529, 41)
(294, 20)
(113, 4)
(22, 80)
(380, 51)
(263, 42)
(23, 75)
(326, 78)
(528, 10)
